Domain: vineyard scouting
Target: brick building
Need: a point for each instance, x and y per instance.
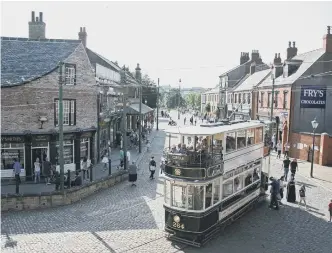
(302, 93)
(29, 101)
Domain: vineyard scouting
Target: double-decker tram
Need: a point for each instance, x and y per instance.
(213, 175)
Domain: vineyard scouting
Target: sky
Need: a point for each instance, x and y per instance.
(191, 41)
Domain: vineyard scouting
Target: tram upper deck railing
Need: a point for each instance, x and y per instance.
(194, 165)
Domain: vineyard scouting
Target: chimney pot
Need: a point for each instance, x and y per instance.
(293, 43)
(84, 29)
(275, 57)
(278, 55)
(81, 29)
(40, 16)
(289, 44)
(32, 16)
(328, 29)
(37, 19)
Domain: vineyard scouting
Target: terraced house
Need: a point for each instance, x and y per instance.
(29, 100)
(302, 87)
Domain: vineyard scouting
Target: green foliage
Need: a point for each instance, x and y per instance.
(208, 108)
(172, 99)
(193, 100)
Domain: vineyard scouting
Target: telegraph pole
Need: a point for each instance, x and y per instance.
(158, 106)
(271, 119)
(60, 122)
(179, 99)
(140, 118)
(124, 124)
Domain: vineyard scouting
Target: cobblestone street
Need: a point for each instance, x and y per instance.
(131, 219)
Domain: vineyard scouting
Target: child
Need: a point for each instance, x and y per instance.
(302, 196)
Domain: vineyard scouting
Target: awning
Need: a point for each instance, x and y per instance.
(135, 108)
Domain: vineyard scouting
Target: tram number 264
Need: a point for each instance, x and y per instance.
(178, 225)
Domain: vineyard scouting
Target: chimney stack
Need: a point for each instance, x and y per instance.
(291, 51)
(244, 58)
(82, 36)
(278, 68)
(252, 68)
(327, 41)
(37, 26)
(138, 74)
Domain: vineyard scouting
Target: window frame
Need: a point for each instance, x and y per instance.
(276, 97)
(269, 96)
(71, 112)
(262, 99)
(285, 100)
(71, 78)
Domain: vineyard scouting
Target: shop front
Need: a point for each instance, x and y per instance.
(28, 147)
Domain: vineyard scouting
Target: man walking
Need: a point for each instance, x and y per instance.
(286, 163)
(17, 171)
(287, 147)
(152, 167)
(294, 166)
(47, 170)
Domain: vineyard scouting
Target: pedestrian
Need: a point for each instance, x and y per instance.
(281, 187)
(294, 166)
(278, 150)
(291, 191)
(85, 168)
(274, 192)
(162, 165)
(286, 164)
(286, 147)
(195, 122)
(37, 170)
(121, 157)
(152, 167)
(47, 170)
(17, 171)
(132, 170)
(105, 162)
(330, 210)
(57, 180)
(302, 196)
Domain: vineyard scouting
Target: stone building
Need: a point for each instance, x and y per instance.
(210, 97)
(29, 101)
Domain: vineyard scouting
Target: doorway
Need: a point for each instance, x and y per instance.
(42, 154)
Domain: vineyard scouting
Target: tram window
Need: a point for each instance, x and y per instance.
(259, 135)
(256, 174)
(241, 139)
(248, 179)
(230, 142)
(167, 192)
(179, 196)
(208, 195)
(227, 188)
(250, 137)
(216, 194)
(195, 197)
(238, 183)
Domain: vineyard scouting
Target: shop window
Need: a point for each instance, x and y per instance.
(208, 195)
(238, 183)
(179, 194)
(241, 139)
(250, 137)
(227, 189)
(68, 152)
(195, 197)
(9, 152)
(230, 142)
(216, 194)
(85, 148)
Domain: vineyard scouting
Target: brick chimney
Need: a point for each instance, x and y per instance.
(244, 58)
(327, 41)
(291, 51)
(278, 68)
(37, 26)
(82, 35)
(252, 68)
(138, 74)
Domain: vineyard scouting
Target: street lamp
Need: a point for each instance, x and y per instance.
(314, 124)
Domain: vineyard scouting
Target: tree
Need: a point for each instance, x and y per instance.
(172, 99)
(193, 100)
(208, 108)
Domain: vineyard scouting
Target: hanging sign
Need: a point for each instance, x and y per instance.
(313, 97)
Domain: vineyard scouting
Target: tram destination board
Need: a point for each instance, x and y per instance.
(193, 173)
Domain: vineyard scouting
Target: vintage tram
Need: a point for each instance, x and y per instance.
(213, 175)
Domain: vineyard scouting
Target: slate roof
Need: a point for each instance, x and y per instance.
(97, 58)
(308, 58)
(215, 90)
(253, 80)
(23, 59)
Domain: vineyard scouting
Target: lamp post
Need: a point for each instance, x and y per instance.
(179, 99)
(314, 124)
(157, 106)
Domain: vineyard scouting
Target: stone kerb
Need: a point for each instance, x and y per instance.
(13, 202)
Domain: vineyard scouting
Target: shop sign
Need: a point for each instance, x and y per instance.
(10, 139)
(86, 135)
(313, 97)
(40, 138)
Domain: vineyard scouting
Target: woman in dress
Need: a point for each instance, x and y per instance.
(291, 191)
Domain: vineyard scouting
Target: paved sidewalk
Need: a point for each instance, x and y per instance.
(99, 172)
(322, 174)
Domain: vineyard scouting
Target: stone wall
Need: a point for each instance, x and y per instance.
(28, 201)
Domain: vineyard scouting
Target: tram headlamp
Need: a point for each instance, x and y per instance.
(176, 218)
